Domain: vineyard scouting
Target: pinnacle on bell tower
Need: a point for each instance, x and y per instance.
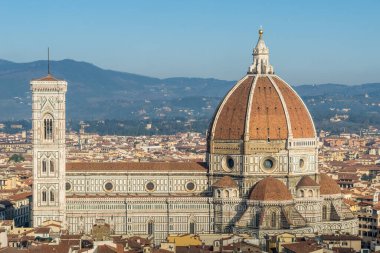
(260, 54)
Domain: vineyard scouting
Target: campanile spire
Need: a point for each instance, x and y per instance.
(260, 54)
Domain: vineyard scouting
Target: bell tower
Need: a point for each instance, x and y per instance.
(49, 155)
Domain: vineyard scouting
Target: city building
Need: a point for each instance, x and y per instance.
(260, 176)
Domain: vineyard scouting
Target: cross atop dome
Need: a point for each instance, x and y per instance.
(260, 54)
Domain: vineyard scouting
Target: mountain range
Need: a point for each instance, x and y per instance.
(95, 94)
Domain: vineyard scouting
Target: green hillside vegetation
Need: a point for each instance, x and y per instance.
(97, 94)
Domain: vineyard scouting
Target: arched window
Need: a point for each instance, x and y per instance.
(310, 193)
(324, 213)
(257, 219)
(227, 193)
(51, 166)
(273, 221)
(44, 166)
(44, 197)
(52, 196)
(48, 128)
(302, 193)
(218, 193)
(150, 228)
(192, 227)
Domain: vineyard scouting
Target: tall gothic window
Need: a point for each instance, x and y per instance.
(150, 228)
(48, 128)
(273, 221)
(257, 219)
(51, 166)
(44, 166)
(52, 196)
(324, 213)
(44, 197)
(192, 228)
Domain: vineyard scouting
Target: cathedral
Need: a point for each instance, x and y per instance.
(260, 176)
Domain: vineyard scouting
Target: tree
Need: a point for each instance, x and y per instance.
(16, 158)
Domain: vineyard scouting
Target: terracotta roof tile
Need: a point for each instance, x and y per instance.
(307, 181)
(20, 196)
(267, 117)
(328, 185)
(350, 202)
(48, 78)
(231, 121)
(270, 189)
(42, 230)
(375, 207)
(225, 182)
(135, 166)
(106, 249)
(302, 247)
(302, 126)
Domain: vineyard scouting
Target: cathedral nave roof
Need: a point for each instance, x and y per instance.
(137, 166)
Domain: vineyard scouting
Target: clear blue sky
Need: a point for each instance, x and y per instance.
(310, 41)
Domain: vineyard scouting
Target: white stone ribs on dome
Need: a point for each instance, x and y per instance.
(224, 101)
(290, 132)
(303, 103)
(249, 106)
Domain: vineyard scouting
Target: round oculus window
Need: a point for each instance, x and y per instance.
(190, 186)
(68, 186)
(302, 163)
(108, 186)
(228, 163)
(268, 164)
(150, 186)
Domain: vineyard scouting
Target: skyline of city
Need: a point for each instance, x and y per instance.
(280, 169)
(313, 42)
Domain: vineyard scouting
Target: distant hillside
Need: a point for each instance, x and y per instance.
(95, 94)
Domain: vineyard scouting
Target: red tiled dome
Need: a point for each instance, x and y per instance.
(307, 181)
(270, 189)
(225, 182)
(262, 107)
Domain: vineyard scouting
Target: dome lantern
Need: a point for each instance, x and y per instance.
(260, 54)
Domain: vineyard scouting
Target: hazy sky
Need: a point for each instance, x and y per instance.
(310, 41)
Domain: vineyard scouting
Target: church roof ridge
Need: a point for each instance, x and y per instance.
(138, 166)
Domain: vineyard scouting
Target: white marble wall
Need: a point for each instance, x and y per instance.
(48, 101)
